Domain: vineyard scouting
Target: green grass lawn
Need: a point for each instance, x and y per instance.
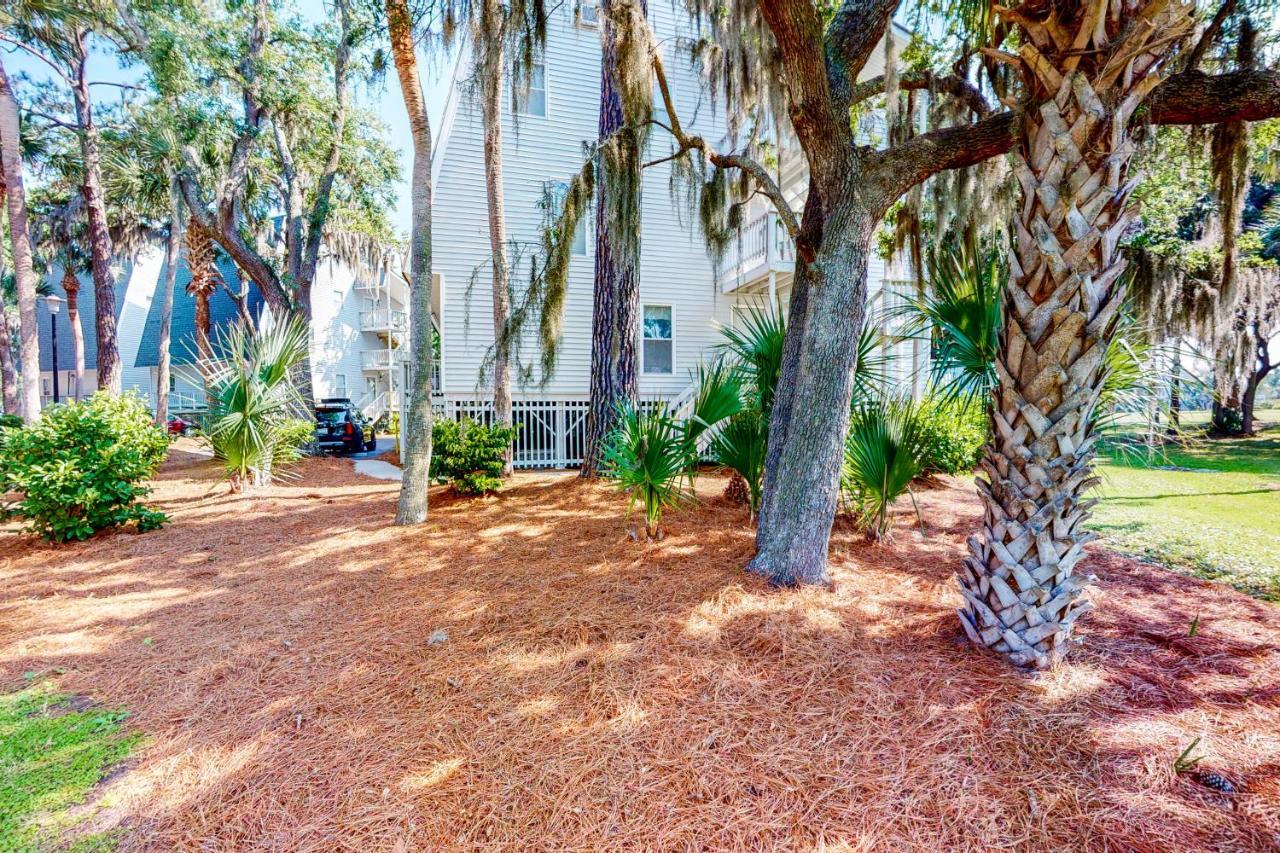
(53, 750)
(1211, 508)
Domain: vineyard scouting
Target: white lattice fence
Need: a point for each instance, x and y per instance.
(549, 433)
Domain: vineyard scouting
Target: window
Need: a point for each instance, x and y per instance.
(48, 389)
(557, 189)
(534, 101)
(589, 13)
(339, 297)
(173, 383)
(340, 385)
(658, 353)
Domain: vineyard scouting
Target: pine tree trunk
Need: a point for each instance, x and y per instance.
(100, 251)
(412, 508)
(811, 407)
(172, 248)
(71, 286)
(1022, 593)
(616, 291)
(489, 44)
(9, 396)
(20, 245)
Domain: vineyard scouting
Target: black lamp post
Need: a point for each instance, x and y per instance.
(54, 303)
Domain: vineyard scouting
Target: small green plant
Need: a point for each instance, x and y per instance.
(952, 433)
(646, 456)
(468, 455)
(81, 468)
(53, 751)
(1186, 762)
(1195, 626)
(8, 421)
(740, 446)
(253, 401)
(719, 398)
(882, 456)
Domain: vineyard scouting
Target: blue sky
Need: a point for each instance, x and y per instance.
(384, 99)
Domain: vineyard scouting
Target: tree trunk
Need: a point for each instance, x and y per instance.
(1175, 391)
(616, 290)
(71, 286)
(490, 66)
(811, 409)
(9, 396)
(200, 261)
(100, 251)
(172, 249)
(20, 244)
(1064, 293)
(412, 508)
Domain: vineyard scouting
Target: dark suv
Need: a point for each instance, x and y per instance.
(341, 427)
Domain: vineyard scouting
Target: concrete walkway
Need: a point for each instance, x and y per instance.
(369, 466)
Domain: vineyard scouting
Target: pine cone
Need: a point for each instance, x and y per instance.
(737, 491)
(1215, 782)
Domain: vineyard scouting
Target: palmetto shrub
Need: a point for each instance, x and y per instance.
(646, 455)
(253, 402)
(882, 455)
(740, 446)
(469, 456)
(81, 467)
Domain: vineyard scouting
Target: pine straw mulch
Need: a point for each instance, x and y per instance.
(519, 674)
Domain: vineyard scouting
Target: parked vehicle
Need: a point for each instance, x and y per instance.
(178, 425)
(340, 427)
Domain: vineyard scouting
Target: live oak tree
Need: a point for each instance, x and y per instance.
(818, 63)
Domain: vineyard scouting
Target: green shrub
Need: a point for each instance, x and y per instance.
(740, 446)
(81, 467)
(293, 435)
(952, 432)
(882, 455)
(469, 456)
(646, 456)
(10, 422)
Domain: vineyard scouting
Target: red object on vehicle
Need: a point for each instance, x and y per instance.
(350, 428)
(177, 426)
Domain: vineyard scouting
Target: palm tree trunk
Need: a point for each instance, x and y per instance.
(172, 249)
(1022, 593)
(616, 290)
(412, 508)
(100, 251)
(200, 258)
(489, 43)
(71, 286)
(20, 244)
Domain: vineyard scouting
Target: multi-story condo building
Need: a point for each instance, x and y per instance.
(359, 320)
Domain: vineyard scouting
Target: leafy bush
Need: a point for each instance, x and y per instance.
(740, 446)
(81, 467)
(10, 422)
(952, 433)
(469, 456)
(293, 436)
(252, 400)
(646, 455)
(882, 455)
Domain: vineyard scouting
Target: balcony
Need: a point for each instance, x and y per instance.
(384, 321)
(763, 246)
(380, 359)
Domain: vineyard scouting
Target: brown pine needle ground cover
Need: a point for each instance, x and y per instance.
(518, 674)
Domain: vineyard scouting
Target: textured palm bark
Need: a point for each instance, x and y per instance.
(1090, 72)
(20, 244)
(100, 250)
(8, 370)
(204, 280)
(616, 291)
(416, 443)
(71, 286)
(173, 246)
(489, 44)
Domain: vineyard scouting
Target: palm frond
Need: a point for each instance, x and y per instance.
(882, 456)
(646, 458)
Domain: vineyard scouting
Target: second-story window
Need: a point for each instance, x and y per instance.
(589, 13)
(533, 101)
(557, 189)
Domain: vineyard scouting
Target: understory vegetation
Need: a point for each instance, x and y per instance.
(469, 456)
(83, 467)
(54, 749)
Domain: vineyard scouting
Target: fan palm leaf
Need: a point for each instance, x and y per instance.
(882, 456)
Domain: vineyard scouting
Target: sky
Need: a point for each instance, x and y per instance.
(383, 99)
